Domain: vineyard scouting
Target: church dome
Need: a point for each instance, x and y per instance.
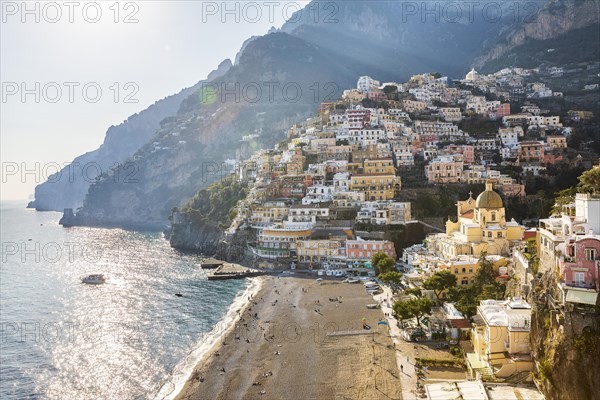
(489, 198)
(472, 75)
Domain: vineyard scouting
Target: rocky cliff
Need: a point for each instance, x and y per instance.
(67, 188)
(557, 21)
(565, 344)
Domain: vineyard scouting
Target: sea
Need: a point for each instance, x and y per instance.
(130, 338)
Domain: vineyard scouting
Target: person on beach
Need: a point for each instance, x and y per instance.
(401, 368)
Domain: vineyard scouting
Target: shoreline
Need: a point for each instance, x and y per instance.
(302, 336)
(209, 343)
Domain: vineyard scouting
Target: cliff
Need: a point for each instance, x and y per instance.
(565, 345)
(67, 188)
(570, 28)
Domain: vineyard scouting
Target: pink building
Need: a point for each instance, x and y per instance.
(581, 269)
(467, 151)
(364, 249)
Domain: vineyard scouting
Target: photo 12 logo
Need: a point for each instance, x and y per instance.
(268, 92)
(54, 172)
(53, 12)
(71, 92)
(271, 11)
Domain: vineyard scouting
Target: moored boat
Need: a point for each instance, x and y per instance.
(94, 279)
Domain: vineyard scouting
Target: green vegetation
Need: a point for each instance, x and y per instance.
(440, 282)
(589, 182)
(382, 263)
(413, 308)
(485, 287)
(391, 278)
(588, 342)
(215, 205)
(439, 362)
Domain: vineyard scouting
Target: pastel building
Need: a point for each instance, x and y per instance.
(363, 250)
(480, 226)
(500, 338)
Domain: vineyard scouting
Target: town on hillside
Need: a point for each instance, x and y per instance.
(339, 195)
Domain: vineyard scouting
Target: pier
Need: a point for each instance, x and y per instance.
(233, 271)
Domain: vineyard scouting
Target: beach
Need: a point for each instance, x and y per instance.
(302, 339)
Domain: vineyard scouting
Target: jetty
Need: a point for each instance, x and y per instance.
(211, 263)
(233, 271)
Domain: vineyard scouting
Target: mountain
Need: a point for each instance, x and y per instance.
(405, 38)
(278, 79)
(189, 149)
(67, 188)
(562, 32)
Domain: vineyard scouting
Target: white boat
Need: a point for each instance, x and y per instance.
(94, 279)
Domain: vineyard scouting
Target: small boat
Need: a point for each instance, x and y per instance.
(179, 294)
(94, 279)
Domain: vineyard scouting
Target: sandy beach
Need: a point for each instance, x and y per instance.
(301, 339)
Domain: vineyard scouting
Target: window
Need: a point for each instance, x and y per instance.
(590, 254)
(499, 234)
(579, 278)
(489, 234)
(493, 216)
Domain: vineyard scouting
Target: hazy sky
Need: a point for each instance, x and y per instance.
(171, 46)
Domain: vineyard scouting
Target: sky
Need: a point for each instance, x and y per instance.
(71, 70)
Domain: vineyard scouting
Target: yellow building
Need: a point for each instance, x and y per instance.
(376, 186)
(480, 227)
(465, 267)
(500, 338)
(379, 166)
(322, 250)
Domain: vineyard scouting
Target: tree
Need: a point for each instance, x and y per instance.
(467, 301)
(414, 291)
(440, 282)
(413, 308)
(589, 181)
(391, 278)
(376, 257)
(486, 274)
(382, 263)
(390, 89)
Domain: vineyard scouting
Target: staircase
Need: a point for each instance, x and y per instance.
(485, 374)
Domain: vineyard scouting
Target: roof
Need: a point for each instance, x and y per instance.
(514, 393)
(461, 323)
(489, 198)
(466, 390)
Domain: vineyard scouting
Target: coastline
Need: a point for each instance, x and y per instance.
(296, 338)
(209, 342)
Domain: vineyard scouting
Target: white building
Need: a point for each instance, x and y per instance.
(365, 84)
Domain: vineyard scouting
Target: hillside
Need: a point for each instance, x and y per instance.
(189, 149)
(561, 32)
(67, 188)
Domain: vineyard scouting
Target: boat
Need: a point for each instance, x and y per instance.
(94, 279)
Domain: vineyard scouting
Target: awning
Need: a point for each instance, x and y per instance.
(582, 297)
